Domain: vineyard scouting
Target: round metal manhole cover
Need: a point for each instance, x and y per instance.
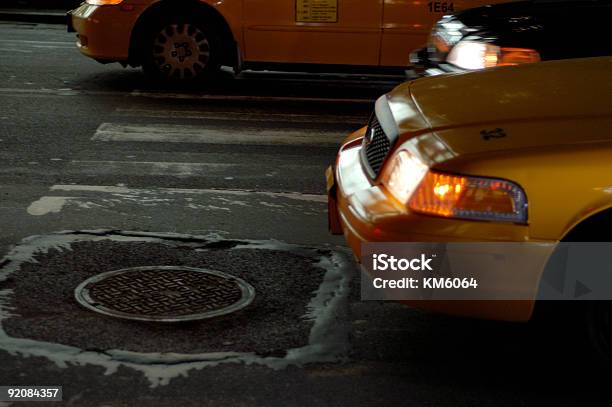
(164, 293)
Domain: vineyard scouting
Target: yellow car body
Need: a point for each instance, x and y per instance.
(546, 127)
(334, 32)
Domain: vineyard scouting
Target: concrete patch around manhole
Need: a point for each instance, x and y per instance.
(164, 293)
(273, 323)
(326, 310)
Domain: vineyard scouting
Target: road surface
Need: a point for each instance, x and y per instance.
(101, 170)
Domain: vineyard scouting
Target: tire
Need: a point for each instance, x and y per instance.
(180, 49)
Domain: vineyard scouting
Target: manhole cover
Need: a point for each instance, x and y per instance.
(164, 293)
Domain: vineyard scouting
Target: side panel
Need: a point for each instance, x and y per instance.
(564, 183)
(273, 34)
(406, 25)
(231, 11)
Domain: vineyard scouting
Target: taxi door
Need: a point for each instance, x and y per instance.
(406, 25)
(313, 31)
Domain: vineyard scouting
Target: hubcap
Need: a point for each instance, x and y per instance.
(181, 51)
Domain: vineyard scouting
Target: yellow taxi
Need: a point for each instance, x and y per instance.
(512, 154)
(192, 38)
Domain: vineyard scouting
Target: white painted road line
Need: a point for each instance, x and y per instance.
(111, 189)
(170, 95)
(176, 169)
(56, 92)
(170, 133)
(48, 204)
(72, 43)
(23, 51)
(54, 46)
(240, 116)
(21, 44)
(181, 169)
(219, 201)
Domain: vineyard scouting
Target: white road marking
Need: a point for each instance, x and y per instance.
(108, 197)
(38, 42)
(112, 189)
(23, 51)
(53, 46)
(56, 92)
(241, 116)
(21, 44)
(171, 133)
(48, 204)
(170, 95)
(179, 169)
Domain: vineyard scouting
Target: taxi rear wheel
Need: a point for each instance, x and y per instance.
(181, 50)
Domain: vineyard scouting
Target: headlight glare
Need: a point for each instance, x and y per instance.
(103, 2)
(405, 173)
(475, 55)
(477, 198)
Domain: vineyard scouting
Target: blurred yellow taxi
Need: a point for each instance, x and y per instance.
(190, 38)
(512, 154)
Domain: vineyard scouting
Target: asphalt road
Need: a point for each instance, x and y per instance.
(101, 170)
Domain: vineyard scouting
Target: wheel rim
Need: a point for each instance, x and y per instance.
(181, 51)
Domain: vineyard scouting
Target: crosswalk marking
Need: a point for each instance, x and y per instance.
(241, 116)
(186, 169)
(20, 44)
(22, 51)
(56, 92)
(119, 198)
(71, 43)
(185, 96)
(48, 204)
(174, 133)
(113, 189)
(197, 96)
(177, 169)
